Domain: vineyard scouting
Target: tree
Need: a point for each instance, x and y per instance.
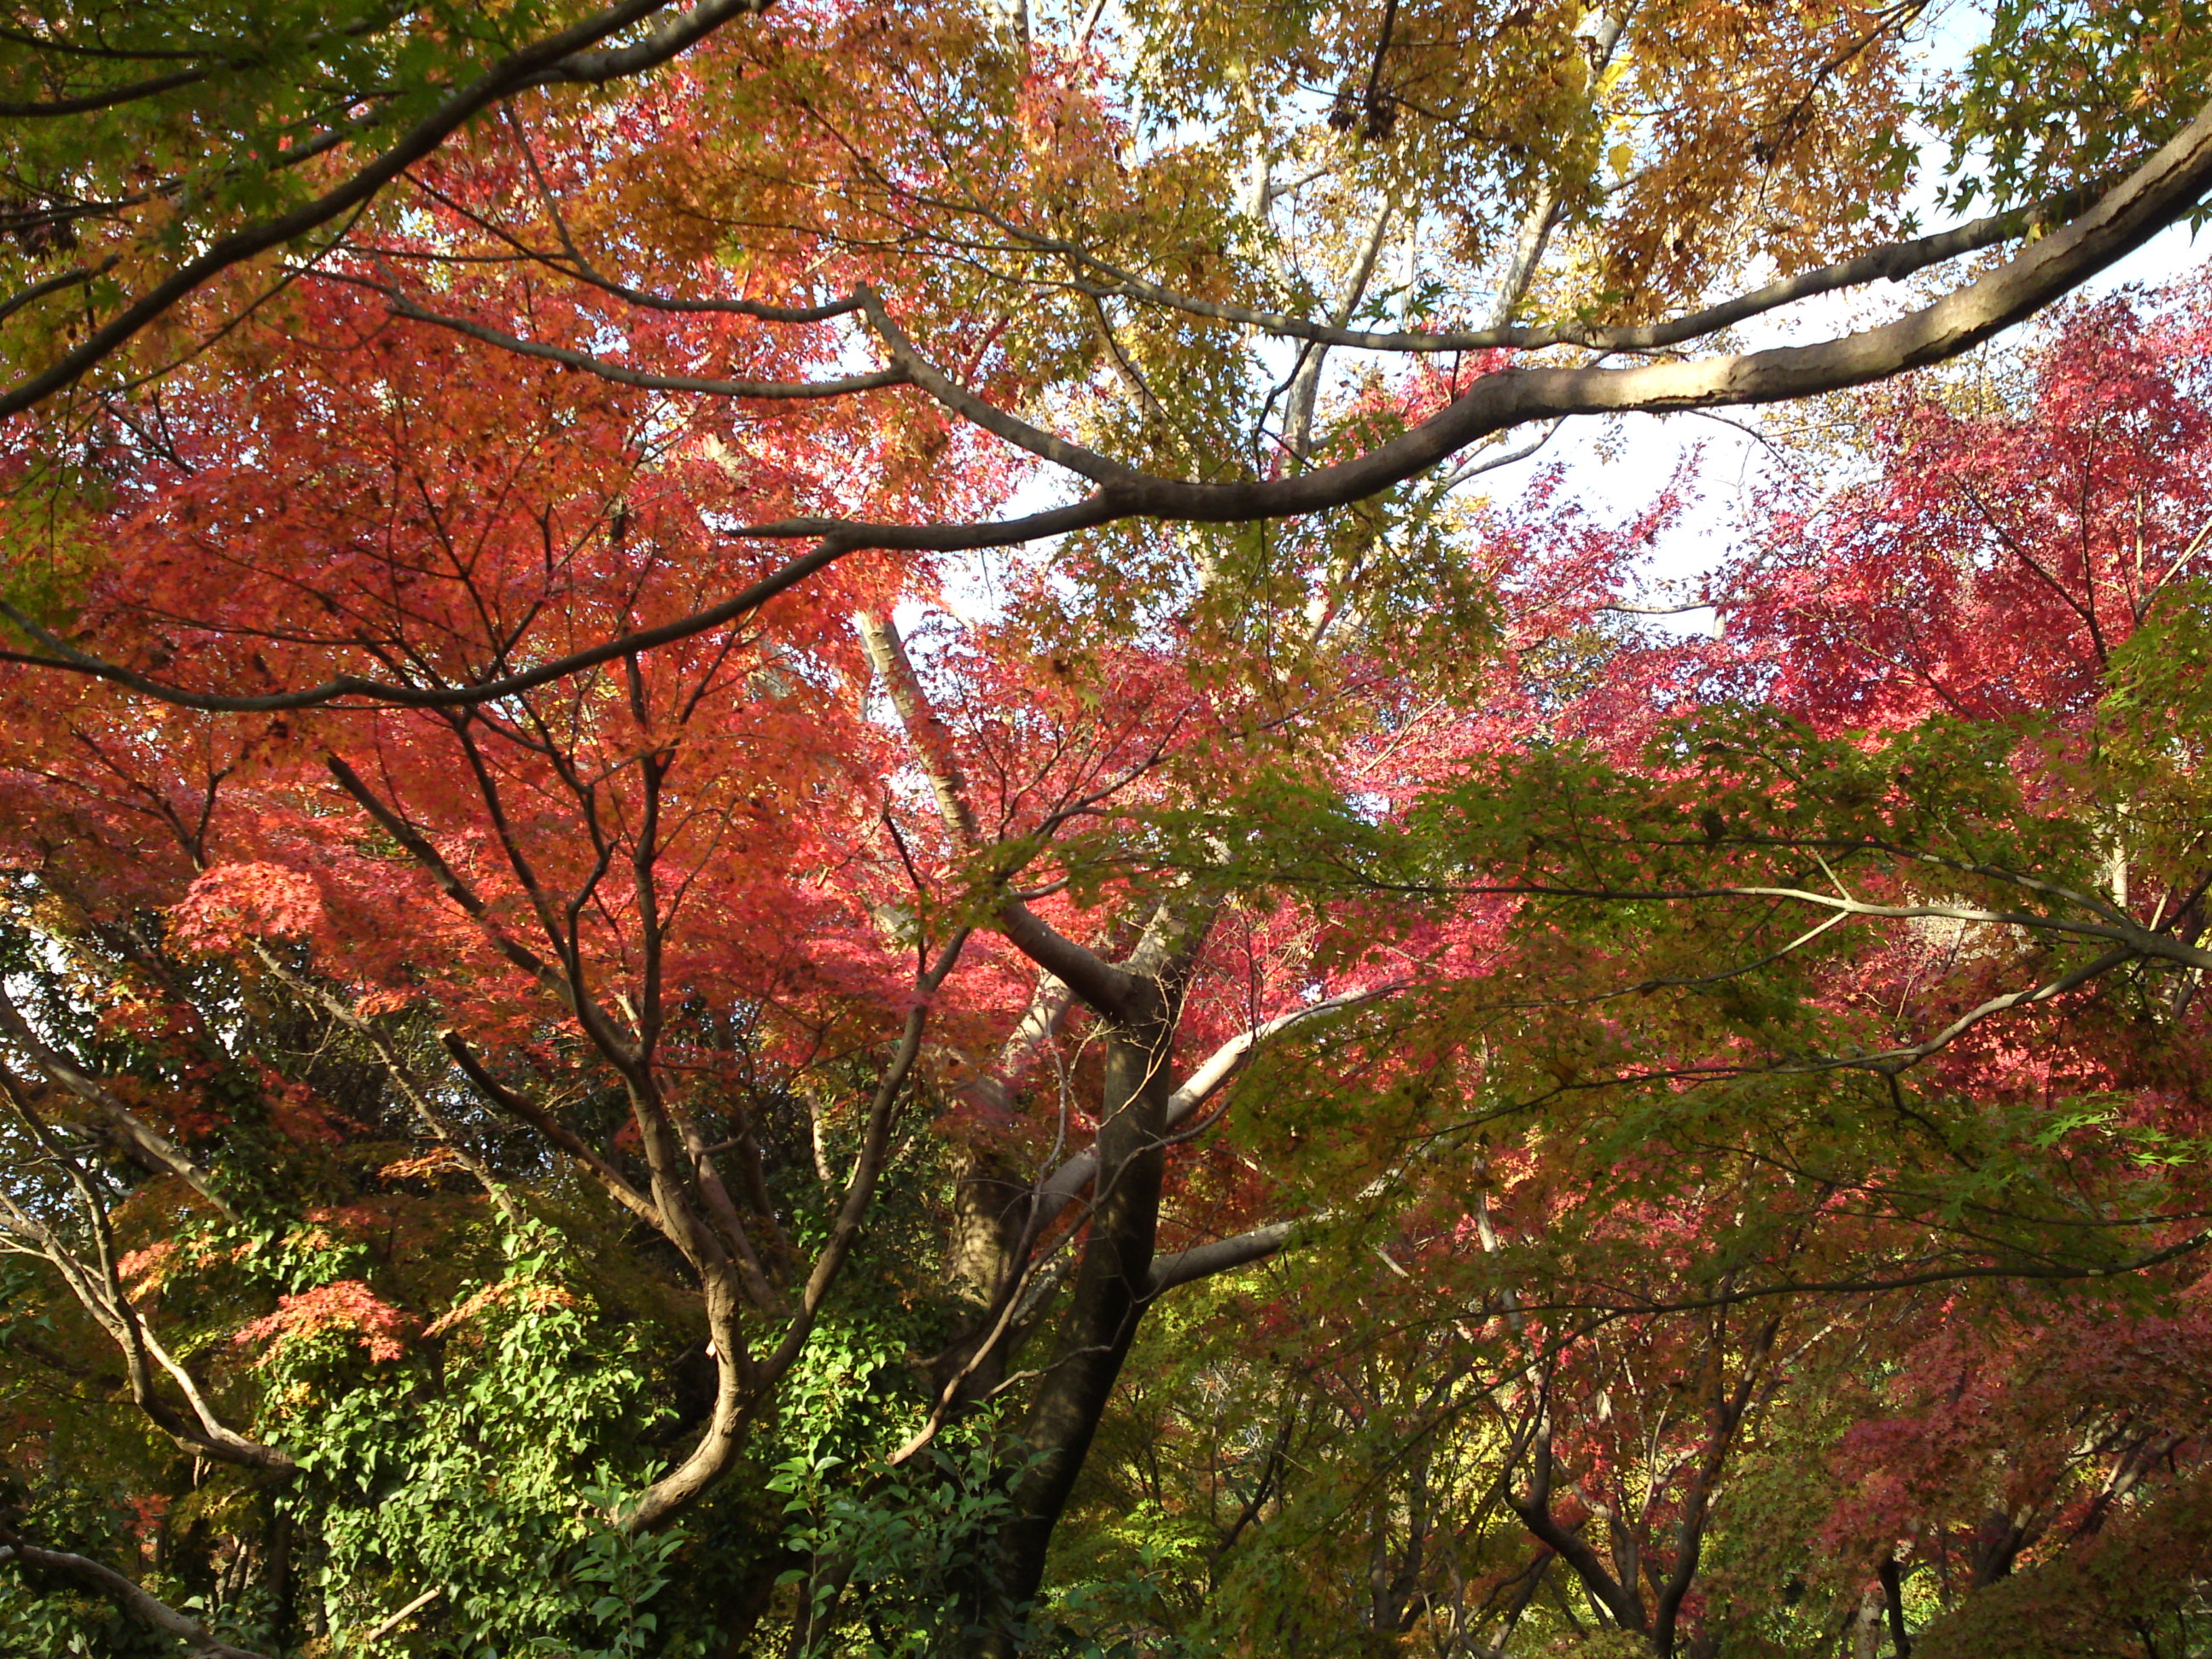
(155, 149)
(1003, 208)
(464, 763)
(639, 933)
(1715, 1336)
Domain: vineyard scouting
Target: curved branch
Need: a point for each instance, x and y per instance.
(921, 372)
(414, 1088)
(62, 655)
(86, 103)
(1894, 262)
(2137, 940)
(558, 59)
(100, 1290)
(718, 1448)
(2048, 1272)
(145, 1609)
(842, 386)
(448, 881)
(1104, 987)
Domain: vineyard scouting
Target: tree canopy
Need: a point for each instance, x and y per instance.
(800, 853)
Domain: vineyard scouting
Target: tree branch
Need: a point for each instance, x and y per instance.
(414, 1088)
(147, 1145)
(526, 1110)
(1220, 1256)
(842, 386)
(1060, 1188)
(1892, 263)
(418, 848)
(135, 1601)
(1107, 989)
(2165, 187)
(560, 58)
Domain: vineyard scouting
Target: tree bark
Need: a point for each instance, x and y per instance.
(1109, 1295)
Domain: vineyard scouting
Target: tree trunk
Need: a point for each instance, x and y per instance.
(1108, 1300)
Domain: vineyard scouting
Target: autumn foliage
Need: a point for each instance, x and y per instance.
(857, 855)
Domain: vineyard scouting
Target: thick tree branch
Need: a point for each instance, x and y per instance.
(1049, 1003)
(1725, 1414)
(1104, 987)
(1623, 1601)
(145, 1609)
(1219, 1255)
(108, 98)
(1059, 1190)
(1107, 988)
(924, 728)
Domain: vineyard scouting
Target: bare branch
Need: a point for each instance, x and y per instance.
(522, 1107)
(1104, 987)
(147, 1145)
(786, 391)
(921, 372)
(100, 1290)
(1892, 263)
(1059, 1190)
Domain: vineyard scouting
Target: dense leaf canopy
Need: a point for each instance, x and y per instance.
(811, 840)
